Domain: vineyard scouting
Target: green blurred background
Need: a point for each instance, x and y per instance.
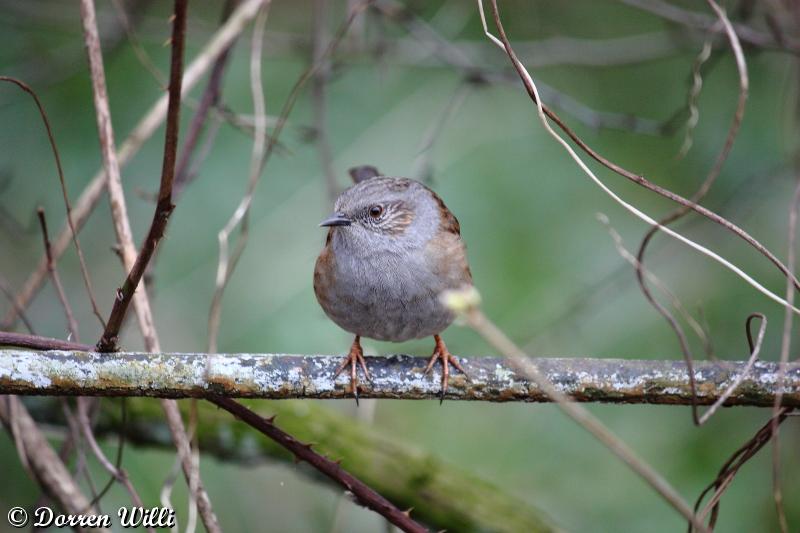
(547, 269)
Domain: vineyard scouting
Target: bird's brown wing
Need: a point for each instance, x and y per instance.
(449, 222)
(451, 247)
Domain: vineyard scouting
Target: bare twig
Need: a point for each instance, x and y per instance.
(786, 341)
(318, 89)
(189, 162)
(133, 263)
(701, 192)
(136, 45)
(36, 342)
(208, 100)
(143, 130)
(136, 264)
(7, 291)
(755, 348)
(119, 474)
(226, 263)
(731, 467)
(545, 113)
(42, 460)
(465, 305)
(72, 324)
(703, 22)
(693, 96)
(411, 476)
(75, 441)
(652, 278)
(303, 452)
(72, 232)
(120, 449)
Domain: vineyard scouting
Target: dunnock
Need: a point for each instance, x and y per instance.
(392, 248)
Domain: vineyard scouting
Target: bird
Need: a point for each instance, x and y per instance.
(392, 248)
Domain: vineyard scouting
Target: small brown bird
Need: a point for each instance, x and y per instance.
(393, 247)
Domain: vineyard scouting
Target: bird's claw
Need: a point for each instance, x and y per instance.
(441, 353)
(354, 359)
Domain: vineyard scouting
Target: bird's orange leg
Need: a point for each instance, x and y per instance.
(441, 353)
(354, 359)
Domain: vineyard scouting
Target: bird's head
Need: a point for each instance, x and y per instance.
(382, 214)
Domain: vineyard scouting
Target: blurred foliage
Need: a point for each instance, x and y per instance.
(547, 270)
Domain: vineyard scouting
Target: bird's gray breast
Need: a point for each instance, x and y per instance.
(391, 296)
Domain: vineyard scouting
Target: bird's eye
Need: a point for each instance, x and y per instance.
(375, 211)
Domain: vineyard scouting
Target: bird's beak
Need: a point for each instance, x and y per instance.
(336, 219)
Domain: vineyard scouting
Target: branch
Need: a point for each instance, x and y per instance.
(72, 324)
(145, 128)
(408, 475)
(180, 375)
(48, 259)
(209, 99)
(42, 461)
(164, 206)
(701, 21)
(37, 342)
(363, 494)
(545, 113)
(135, 264)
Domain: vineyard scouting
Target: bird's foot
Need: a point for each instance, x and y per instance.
(354, 359)
(441, 353)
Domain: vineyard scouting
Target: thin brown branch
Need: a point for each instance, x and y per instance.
(755, 348)
(408, 474)
(119, 474)
(164, 206)
(145, 128)
(120, 449)
(363, 494)
(731, 467)
(466, 306)
(133, 263)
(701, 21)
(36, 342)
(226, 264)
(786, 341)
(698, 328)
(318, 89)
(504, 43)
(188, 162)
(127, 25)
(208, 100)
(74, 442)
(5, 288)
(72, 324)
(72, 226)
(701, 192)
(43, 462)
(471, 60)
